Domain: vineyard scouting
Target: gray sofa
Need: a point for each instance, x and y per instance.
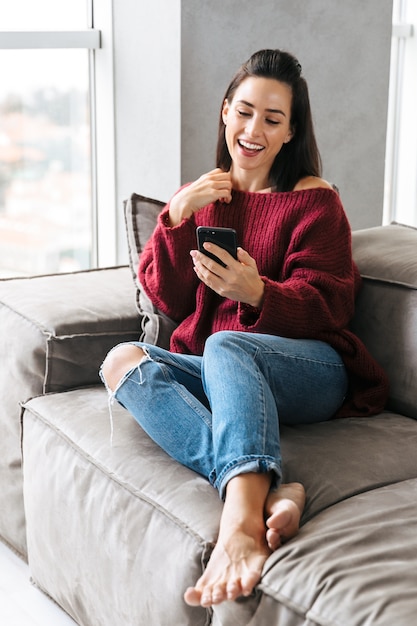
(114, 530)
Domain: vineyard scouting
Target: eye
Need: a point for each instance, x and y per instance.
(272, 122)
(243, 113)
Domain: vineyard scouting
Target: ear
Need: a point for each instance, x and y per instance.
(289, 136)
(225, 111)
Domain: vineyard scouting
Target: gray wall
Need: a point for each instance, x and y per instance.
(174, 59)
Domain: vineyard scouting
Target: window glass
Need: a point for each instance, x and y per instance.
(400, 202)
(45, 170)
(43, 15)
(405, 199)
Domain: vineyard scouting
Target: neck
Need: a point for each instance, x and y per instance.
(244, 180)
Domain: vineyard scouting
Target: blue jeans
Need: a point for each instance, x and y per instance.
(219, 414)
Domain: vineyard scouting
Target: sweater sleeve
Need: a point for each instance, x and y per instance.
(166, 270)
(316, 291)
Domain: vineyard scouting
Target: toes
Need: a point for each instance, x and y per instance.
(210, 596)
(248, 583)
(218, 594)
(273, 539)
(206, 599)
(233, 590)
(285, 520)
(279, 520)
(192, 596)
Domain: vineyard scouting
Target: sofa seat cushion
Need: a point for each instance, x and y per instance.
(353, 564)
(133, 515)
(124, 529)
(338, 459)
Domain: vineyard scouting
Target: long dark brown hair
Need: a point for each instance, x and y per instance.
(299, 157)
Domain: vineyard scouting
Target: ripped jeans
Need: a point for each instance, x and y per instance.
(219, 414)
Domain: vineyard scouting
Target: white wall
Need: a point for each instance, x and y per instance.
(147, 66)
(174, 59)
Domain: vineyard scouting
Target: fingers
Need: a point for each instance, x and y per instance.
(212, 186)
(245, 258)
(207, 266)
(237, 280)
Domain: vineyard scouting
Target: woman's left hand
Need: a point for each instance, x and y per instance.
(239, 280)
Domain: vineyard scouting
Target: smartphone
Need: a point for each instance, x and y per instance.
(223, 237)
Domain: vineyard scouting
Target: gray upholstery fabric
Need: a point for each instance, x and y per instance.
(54, 333)
(386, 309)
(117, 530)
(121, 534)
(354, 564)
(126, 519)
(341, 458)
(141, 214)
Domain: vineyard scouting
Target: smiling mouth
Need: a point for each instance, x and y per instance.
(250, 147)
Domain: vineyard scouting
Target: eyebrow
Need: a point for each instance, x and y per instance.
(248, 104)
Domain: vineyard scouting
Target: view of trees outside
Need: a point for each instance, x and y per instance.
(45, 195)
(45, 169)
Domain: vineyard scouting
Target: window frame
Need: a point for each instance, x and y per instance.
(102, 115)
(402, 33)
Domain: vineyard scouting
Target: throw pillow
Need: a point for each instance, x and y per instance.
(141, 215)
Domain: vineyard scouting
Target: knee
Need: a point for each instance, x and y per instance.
(219, 345)
(229, 348)
(119, 361)
(220, 340)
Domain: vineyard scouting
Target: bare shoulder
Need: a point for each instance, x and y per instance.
(312, 182)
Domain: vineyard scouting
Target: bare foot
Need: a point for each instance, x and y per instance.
(283, 509)
(237, 561)
(234, 569)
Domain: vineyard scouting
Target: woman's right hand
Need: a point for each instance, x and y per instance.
(210, 187)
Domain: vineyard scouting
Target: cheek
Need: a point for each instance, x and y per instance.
(280, 140)
(228, 133)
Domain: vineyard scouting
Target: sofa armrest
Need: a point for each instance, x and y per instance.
(54, 333)
(55, 330)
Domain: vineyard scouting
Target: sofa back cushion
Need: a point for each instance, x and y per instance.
(386, 308)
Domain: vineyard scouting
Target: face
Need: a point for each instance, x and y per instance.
(257, 124)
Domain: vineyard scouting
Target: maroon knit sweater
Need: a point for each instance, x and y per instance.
(301, 241)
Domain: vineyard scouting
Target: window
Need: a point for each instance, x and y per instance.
(400, 203)
(48, 220)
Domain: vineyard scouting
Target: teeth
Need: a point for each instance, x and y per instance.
(250, 146)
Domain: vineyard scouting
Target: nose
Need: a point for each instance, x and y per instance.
(253, 126)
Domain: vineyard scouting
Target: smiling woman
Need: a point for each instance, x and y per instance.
(288, 108)
(258, 124)
(256, 334)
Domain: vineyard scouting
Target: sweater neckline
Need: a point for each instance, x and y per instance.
(256, 198)
(261, 194)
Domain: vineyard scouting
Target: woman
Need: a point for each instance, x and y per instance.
(261, 341)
